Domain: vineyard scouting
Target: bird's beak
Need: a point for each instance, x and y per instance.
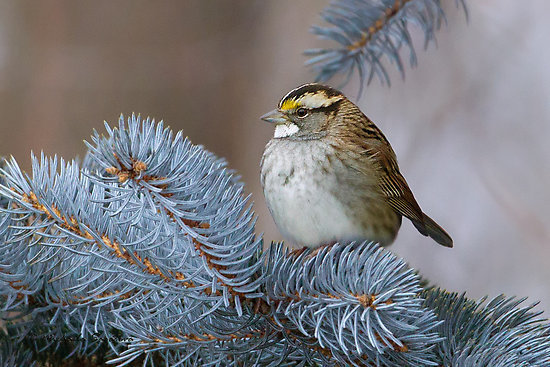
(275, 117)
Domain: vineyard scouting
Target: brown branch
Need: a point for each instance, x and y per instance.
(204, 337)
(71, 224)
(366, 300)
(136, 173)
(391, 344)
(378, 24)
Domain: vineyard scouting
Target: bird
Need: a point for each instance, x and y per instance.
(330, 175)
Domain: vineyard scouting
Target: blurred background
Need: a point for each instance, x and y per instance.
(470, 124)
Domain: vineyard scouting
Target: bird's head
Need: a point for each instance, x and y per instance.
(305, 112)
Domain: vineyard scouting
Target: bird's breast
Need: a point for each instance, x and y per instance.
(307, 193)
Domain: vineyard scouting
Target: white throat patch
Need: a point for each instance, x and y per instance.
(284, 130)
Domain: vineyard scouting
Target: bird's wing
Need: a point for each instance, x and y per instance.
(370, 143)
(392, 184)
(398, 194)
(371, 154)
(401, 199)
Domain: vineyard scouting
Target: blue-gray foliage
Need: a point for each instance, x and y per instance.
(498, 333)
(366, 31)
(145, 254)
(12, 355)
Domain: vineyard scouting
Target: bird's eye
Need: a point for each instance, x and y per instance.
(301, 112)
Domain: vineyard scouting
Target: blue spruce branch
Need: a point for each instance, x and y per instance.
(11, 354)
(146, 255)
(357, 302)
(496, 333)
(367, 31)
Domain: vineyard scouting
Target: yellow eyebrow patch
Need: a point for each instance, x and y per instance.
(289, 104)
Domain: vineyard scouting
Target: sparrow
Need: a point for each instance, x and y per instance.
(330, 175)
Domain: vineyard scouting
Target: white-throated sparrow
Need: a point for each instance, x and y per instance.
(329, 174)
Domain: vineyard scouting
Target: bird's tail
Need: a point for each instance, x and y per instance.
(430, 228)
